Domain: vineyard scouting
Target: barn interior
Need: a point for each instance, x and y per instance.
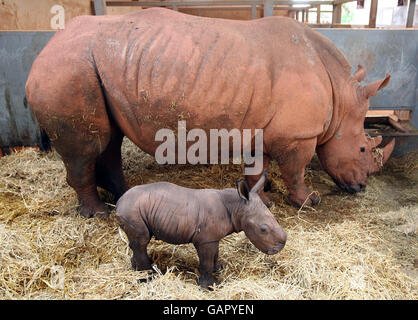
(361, 246)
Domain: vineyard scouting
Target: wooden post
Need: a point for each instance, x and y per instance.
(336, 13)
(293, 14)
(268, 8)
(253, 12)
(318, 14)
(307, 15)
(99, 7)
(411, 13)
(373, 14)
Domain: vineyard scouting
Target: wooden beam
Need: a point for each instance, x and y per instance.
(212, 3)
(343, 26)
(373, 14)
(403, 115)
(99, 7)
(411, 13)
(342, 1)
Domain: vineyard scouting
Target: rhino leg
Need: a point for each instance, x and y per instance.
(252, 180)
(140, 260)
(80, 147)
(293, 162)
(109, 173)
(68, 102)
(217, 266)
(80, 176)
(139, 237)
(87, 168)
(207, 253)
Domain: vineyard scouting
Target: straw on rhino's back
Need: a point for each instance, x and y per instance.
(158, 64)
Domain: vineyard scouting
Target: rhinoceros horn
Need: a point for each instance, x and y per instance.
(378, 156)
(360, 74)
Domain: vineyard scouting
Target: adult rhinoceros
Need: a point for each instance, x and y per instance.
(106, 77)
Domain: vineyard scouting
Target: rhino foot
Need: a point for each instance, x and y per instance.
(306, 198)
(146, 265)
(206, 281)
(99, 210)
(218, 267)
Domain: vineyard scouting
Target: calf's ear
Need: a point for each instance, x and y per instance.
(243, 190)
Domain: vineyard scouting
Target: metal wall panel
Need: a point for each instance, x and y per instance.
(380, 51)
(18, 50)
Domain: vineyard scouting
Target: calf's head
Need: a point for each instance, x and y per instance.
(257, 221)
(349, 157)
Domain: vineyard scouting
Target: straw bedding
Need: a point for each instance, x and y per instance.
(361, 246)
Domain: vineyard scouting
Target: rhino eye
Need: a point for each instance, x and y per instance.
(263, 228)
(362, 149)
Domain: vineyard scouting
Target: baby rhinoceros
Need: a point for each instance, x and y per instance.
(180, 215)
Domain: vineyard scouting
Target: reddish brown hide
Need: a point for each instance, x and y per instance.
(106, 77)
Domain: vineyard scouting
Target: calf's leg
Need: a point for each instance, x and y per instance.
(207, 253)
(217, 266)
(139, 237)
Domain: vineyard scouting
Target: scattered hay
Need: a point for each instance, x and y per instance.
(348, 247)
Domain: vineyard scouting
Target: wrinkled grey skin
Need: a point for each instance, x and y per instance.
(180, 215)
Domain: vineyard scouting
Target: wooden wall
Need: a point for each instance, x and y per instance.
(36, 14)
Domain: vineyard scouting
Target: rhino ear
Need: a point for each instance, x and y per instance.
(243, 190)
(372, 88)
(261, 183)
(360, 74)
